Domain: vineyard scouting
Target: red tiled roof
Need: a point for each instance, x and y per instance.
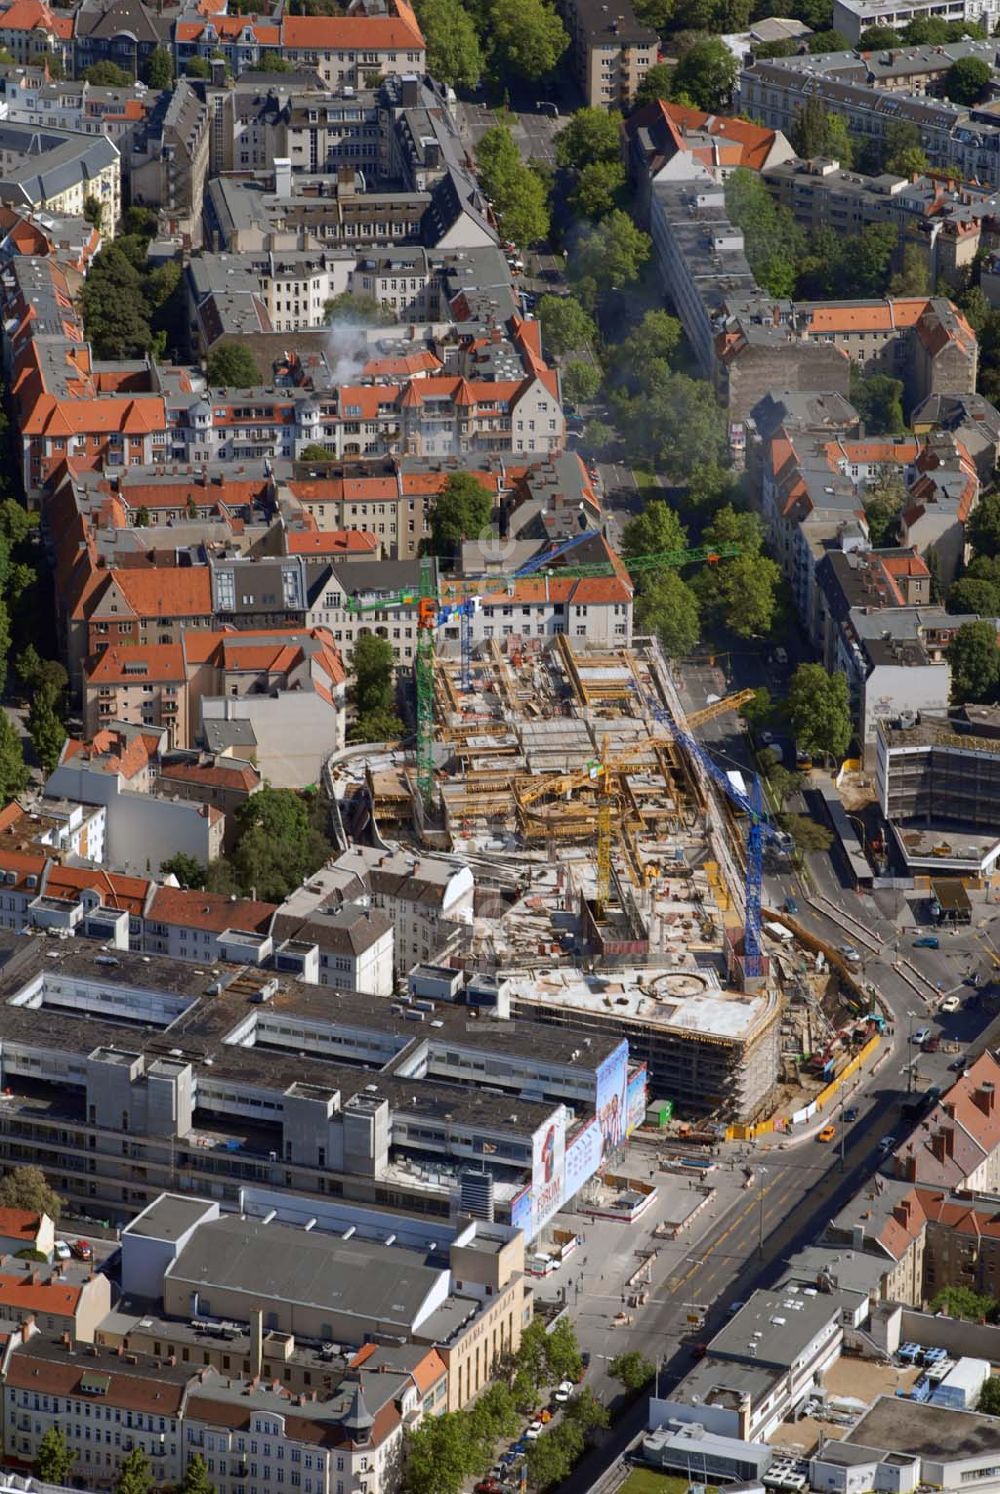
(19, 1224)
(330, 542)
(210, 910)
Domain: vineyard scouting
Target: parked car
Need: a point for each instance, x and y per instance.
(957, 1065)
(927, 941)
(61, 1251)
(563, 1392)
(931, 1044)
(951, 1004)
(886, 1144)
(851, 1113)
(921, 1035)
(534, 1431)
(81, 1249)
(489, 1486)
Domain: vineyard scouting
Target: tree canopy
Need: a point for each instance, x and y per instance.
(108, 75)
(973, 657)
(706, 75)
(967, 80)
(631, 1369)
(231, 366)
(454, 53)
(53, 1461)
(566, 326)
(27, 1188)
(462, 510)
(528, 37)
(819, 710)
(517, 192)
(772, 239)
(279, 843)
(161, 69)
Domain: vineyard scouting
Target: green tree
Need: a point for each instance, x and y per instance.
(187, 869)
(883, 503)
(901, 136)
(598, 190)
(453, 51)
(631, 1369)
(437, 1455)
(53, 1460)
(612, 253)
(232, 366)
(983, 528)
(914, 278)
(710, 486)
(646, 352)
(517, 192)
(591, 135)
(462, 510)
(373, 667)
(867, 258)
(198, 67)
(828, 41)
(532, 1358)
(969, 595)
(108, 75)
(656, 529)
(315, 452)
(879, 402)
(528, 37)
(93, 211)
(706, 75)
(26, 1188)
(973, 657)
(989, 1397)
(278, 843)
(966, 81)
(597, 434)
(808, 834)
(347, 307)
(377, 726)
(551, 1457)
(819, 710)
(196, 1479)
(135, 1475)
(761, 711)
(161, 69)
(675, 426)
(783, 782)
(772, 239)
(580, 381)
(13, 772)
(562, 1352)
(654, 83)
(908, 162)
(566, 327)
(876, 38)
(586, 1410)
(963, 1302)
(115, 313)
(45, 726)
(668, 607)
(741, 592)
(975, 306)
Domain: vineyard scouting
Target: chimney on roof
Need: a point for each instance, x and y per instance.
(937, 1146)
(986, 1096)
(901, 1212)
(256, 1342)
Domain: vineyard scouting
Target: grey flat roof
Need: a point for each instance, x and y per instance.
(276, 1261)
(776, 1327)
(168, 1217)
(933, 1432)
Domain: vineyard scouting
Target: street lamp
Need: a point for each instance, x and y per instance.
(909, 1051)
(761, 1174)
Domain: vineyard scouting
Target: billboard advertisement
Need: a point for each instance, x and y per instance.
(635, 1100)
(583, 1157)
(548, 1170)
(612, 1078)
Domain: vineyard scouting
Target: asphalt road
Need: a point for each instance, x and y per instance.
(796, 1188)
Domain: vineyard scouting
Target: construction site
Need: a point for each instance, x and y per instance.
(614, 865)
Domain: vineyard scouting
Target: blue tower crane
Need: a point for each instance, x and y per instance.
(760, 831)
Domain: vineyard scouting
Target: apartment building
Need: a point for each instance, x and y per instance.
(33, 32)
(660, 138)
(169, 170)
(287, 687)
(611, 51)
(59, 170)
(945, 224)
(125, 32)
(930, 772)
(952, 140)
(428, 899)
(286, 1086)
(957, 1146)
(851, 17)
